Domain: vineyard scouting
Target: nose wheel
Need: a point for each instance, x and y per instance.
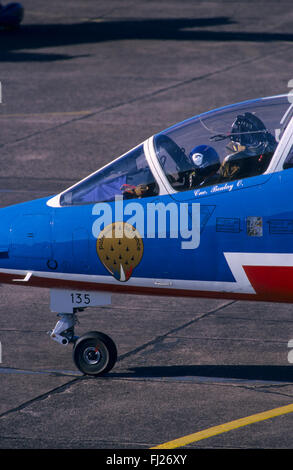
(94, 353)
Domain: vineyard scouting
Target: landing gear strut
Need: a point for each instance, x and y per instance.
(63, 332)
(94, 353)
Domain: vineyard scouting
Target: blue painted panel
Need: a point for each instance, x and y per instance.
(31, 236)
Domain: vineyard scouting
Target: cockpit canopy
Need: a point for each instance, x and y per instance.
(128, 176)
(229, 143)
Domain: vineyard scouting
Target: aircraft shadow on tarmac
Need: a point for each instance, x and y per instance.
(239, 372)
(37, 36)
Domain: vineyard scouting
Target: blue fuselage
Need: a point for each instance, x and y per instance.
(250, 216)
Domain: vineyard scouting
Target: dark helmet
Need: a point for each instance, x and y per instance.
(249, 135)
(204, 159)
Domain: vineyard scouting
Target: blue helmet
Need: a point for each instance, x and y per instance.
(205, 159)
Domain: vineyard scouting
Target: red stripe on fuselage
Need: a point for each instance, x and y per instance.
(263, 291)
(272, 282)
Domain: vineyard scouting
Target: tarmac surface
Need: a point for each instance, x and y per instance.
(83, 82)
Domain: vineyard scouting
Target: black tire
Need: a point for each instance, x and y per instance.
(94, 353)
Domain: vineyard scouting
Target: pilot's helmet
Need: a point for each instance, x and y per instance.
(205, 159)
(249, 135)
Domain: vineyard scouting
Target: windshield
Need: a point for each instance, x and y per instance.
(129, 177)
(226, 144)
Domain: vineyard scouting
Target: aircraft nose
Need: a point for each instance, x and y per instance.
(4, 234)
(25, 235)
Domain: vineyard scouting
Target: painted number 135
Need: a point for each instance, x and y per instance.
(79, 298)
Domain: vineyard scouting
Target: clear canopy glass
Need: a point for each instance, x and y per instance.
(234, 142)
(230, 143)
(129, 176)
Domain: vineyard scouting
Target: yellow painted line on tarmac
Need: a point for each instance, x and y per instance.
(215, 430)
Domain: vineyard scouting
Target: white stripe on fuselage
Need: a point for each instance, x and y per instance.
(236, 261)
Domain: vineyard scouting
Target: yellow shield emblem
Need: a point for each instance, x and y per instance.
(120, 249)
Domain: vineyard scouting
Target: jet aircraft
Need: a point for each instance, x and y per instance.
(201, 209)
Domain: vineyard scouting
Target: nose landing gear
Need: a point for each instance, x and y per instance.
(94, 353)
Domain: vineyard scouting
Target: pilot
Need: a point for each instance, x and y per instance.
(251, 148)
(130, 191)
(206, 163)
